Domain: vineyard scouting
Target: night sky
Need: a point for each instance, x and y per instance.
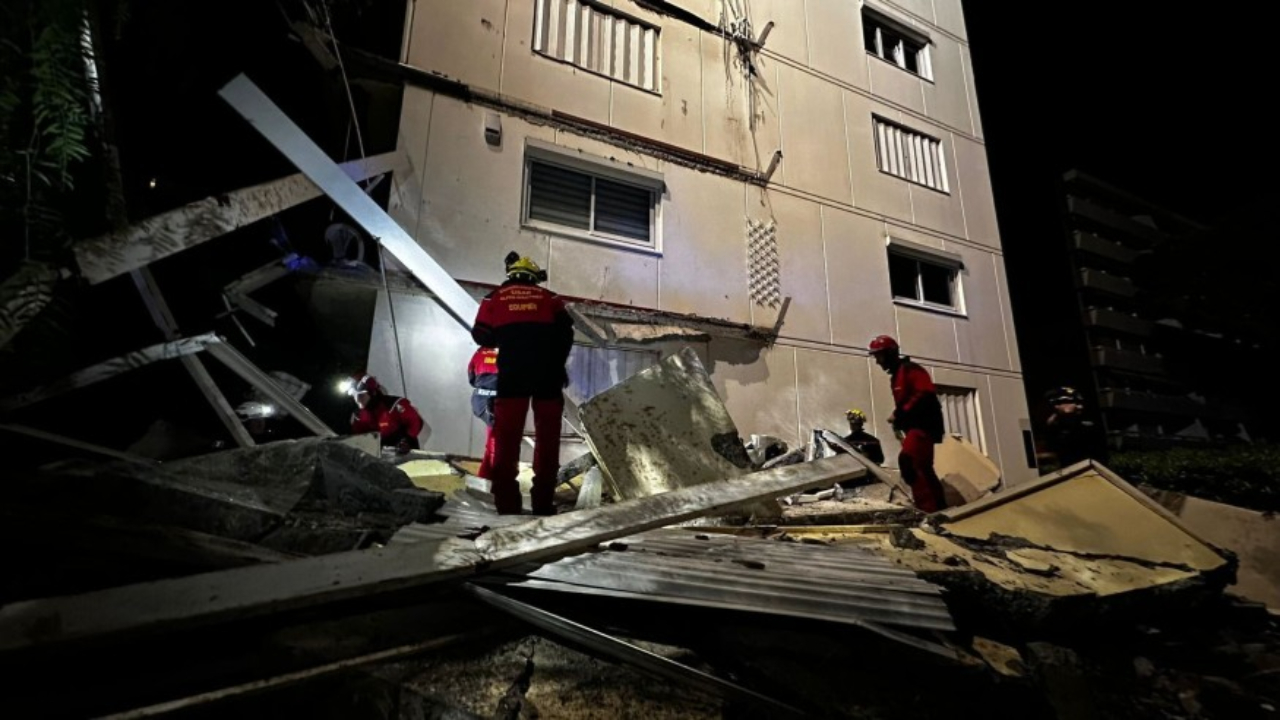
(1167, 103)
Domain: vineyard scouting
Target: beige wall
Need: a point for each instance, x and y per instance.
(815, 95)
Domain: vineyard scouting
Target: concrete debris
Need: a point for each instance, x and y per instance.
(1254, 537)
(965, 472)
(589, 495)
(666, 428)
(1002, 658)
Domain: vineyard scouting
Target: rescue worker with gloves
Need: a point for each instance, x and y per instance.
(533, 333)
(917, 415)
(394, 418)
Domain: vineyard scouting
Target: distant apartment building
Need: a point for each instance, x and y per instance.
(770, 182)
(1149, 370)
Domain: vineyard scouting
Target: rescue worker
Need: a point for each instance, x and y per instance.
(861, 440)
(1070, 436)
(395, 418)
(482, 373)
(533, 334)
(917, 415)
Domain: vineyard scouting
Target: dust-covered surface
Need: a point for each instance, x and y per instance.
(536, 678)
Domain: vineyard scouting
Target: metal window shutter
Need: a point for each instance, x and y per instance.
(623, 210)
(560, 196)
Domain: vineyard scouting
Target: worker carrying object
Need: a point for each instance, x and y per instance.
(859, 439)
(533, 333)
(917, 414)
(482, 373)
(395, 418)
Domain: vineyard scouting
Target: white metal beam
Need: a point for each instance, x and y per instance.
(255, 107)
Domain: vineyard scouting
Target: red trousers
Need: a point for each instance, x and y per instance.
(486, 462)
(916, 463)
(508, 428)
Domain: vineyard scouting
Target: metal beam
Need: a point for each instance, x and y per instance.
(155, 238)
(257, 590)
(255, 107)
(163, 318)
(252, 374)
(111, 368)
(73, 443)
(624, 652)
(396, 654)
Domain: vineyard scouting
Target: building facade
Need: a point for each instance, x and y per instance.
(1152, 366)
(783, 180)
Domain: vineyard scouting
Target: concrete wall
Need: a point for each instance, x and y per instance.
(813, 99)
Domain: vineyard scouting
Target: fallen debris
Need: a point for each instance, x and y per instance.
(253, 591)
(666, 428)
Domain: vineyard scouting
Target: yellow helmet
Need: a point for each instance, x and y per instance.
(525, 268)
(855, 414)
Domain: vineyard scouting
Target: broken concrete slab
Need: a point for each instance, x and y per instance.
(1086, 510)
(665, 428)
(966, 473)
(1254, 537)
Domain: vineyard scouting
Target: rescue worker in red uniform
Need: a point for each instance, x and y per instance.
(394, 418)
(533, 333)
(917, 415)
(482, 372)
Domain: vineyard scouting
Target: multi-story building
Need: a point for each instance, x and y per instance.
(1147, 361)
(771, 182)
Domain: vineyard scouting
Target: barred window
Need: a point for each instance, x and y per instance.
(961, 416)
(910, 155)
(598, 39)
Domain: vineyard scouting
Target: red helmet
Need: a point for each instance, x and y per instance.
(360, 382)
(882, 343)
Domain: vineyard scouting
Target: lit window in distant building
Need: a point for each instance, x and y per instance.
(910, 155)
(893, 42)
(599, 39)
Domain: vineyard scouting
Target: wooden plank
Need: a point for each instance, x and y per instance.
(155, 238)
(257, 590)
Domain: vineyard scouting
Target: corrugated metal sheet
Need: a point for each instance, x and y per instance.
(842, 584)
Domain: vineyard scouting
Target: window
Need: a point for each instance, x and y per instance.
(924, 276)
(596, 38)
(595, 207)
(893, 42)
(592, 370)
(960, 415)
(910, 155)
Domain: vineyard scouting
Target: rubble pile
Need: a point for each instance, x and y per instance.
(686, 575)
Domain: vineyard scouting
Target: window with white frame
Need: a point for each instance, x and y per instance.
(924, 276)
(596, 200)
(592, 370)
(894, 42)
(910, 155)
(597, 38)
(961, 415)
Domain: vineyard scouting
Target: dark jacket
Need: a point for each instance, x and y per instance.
(533, 333)
(866, 444)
